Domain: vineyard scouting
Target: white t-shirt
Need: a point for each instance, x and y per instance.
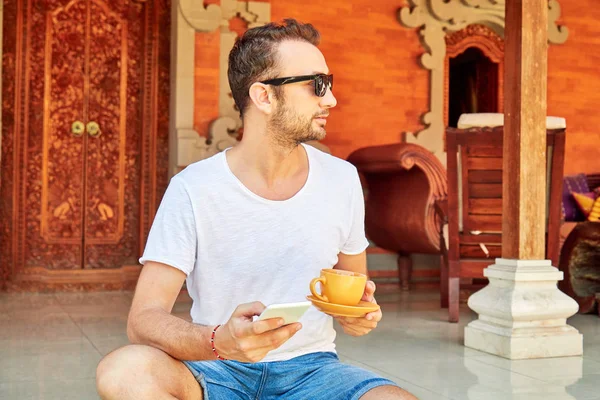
(237, 247)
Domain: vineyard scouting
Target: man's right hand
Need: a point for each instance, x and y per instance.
(241, 339)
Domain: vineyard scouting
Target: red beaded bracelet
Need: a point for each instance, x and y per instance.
(212, 343)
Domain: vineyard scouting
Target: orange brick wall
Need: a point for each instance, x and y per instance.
(574, 84)
(380, 88)
(382, 91)
(206, 80)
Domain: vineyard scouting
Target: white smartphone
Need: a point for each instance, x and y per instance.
(290, 312)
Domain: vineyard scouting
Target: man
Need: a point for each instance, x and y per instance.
(248, 227)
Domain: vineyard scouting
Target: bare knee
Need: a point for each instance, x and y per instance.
(143, 372)
(123, 373)
(388, 392)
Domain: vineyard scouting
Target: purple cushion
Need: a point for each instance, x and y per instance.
(578, 184)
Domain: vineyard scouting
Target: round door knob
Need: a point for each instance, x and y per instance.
(77, 128)
(93, 129)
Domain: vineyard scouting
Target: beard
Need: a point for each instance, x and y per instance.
(289, 128)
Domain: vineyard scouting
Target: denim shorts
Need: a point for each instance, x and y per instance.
(312, 376)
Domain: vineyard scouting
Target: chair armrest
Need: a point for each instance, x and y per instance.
(404, 182)
(441, 208)
(402, 156)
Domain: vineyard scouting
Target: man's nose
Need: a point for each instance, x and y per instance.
(329, 100)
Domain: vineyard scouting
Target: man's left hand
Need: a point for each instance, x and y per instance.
(360, 326)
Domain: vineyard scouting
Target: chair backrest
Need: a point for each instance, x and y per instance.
(475, 189)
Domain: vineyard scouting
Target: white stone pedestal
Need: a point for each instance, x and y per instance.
(522, 314)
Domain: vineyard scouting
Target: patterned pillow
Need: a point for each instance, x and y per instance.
(573, 184)
(585, 202)
(589, 204)
(595, 213)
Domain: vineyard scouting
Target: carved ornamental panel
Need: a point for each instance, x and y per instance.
(489, 43)
(437, 18)
(223, 131)
(85, 147)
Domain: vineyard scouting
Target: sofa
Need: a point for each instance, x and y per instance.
(580, 241)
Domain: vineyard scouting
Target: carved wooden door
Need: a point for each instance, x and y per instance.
(87, 183)
(88, 73)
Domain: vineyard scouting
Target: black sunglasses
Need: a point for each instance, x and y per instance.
(322, 82)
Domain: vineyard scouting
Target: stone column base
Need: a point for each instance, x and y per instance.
(522, 314)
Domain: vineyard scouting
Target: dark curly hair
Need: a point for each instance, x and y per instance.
(254, 56)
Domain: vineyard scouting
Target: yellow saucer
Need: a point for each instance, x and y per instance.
(360, 310)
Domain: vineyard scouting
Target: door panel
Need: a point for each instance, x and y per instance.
(112, 180)
(81, 60)
(88, 200)
(55, 158)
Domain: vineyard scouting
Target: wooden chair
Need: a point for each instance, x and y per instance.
(474, 205)
(402, 184)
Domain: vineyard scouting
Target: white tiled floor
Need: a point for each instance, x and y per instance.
(50, 345)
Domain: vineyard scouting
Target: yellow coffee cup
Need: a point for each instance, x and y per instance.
(339, 286)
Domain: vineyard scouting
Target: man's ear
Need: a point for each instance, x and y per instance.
(261, 97)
